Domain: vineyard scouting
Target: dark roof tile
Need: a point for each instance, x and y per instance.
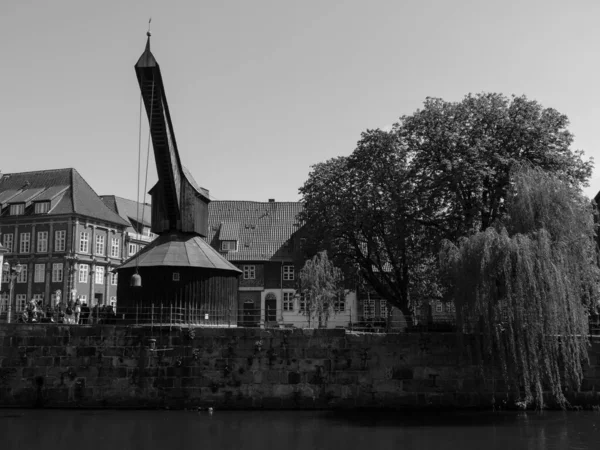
(263, 227)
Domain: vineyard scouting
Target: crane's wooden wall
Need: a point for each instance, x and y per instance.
(193, 211)
(209, 291)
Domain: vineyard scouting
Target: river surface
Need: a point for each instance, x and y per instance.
(261, 430)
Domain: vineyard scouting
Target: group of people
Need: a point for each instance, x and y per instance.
(70, 312)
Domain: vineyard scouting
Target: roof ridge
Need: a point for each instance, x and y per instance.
(38, 171)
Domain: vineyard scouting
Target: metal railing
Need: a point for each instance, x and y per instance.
(161, 315)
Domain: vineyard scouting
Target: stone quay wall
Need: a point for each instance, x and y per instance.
(50, 365)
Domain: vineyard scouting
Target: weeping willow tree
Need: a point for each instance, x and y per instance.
(321, 285)
(524, 287)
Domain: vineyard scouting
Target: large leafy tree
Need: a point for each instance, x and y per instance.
(441, 173)
(463, 153)
(525, 286)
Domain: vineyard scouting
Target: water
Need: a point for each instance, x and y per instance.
(260, 430)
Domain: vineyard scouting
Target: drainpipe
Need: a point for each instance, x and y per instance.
(281, 289)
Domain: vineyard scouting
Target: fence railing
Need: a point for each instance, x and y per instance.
(161, 315)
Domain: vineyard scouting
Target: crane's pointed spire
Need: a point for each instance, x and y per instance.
(147, 58)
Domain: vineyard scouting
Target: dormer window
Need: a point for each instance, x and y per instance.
(229, 246)
(17, 209)
(42, 207)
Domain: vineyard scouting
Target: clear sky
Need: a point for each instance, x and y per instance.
(261, 90)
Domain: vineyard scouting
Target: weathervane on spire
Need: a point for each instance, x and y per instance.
(148, 32)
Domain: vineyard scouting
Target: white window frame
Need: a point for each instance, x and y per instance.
(41, 245)
(383, 309)
(114, 247)
(439, 308)
(39, 273)
(288, 272)
(21, 301)
(114, 278)
(302, 303)
(7, 241)
(41, 207)
(17, 209)
(368, 308)
(229, 246)
(3, 301)
(132, 249)
(57, 272)
(249, 272)
(84, 242)
(176, 276)
(24, 242)
(99, 275)
(60, 240)
(339, 305)
(288, 302)
(5, 277)
(100, 247)
(83, 299)
(84, 270)
(22, 277)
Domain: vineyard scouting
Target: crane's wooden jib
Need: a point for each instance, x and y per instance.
(177, 203)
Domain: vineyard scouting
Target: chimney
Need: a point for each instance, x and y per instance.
(271, 200)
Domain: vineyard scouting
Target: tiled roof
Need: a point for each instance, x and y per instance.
(263, 228)
(129, 210)
(229, 231)
(73, 194)
(179, 250)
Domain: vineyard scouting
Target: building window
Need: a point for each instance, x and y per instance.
(175, 276)
(288, 273)
(3, 301)
(99, 274)
(18, 209)
(249, 272)
(288, 301)
(42, 242)
(132, 250)
(439, 307)
(84, 242)
(57, 272)
(113, 301)
(22, 277)
(83, 273)
(42, 207)
(383, 309)
(5, 276)
(302, 303)
(38, 297)
(450, 307)
(83, 299)
(21, 301)
(39, 274)
(60, 240)
(7, 241)
(25, 242)
(340, 304)
(228, 246)
(114, 248)
(114, 278)
(100, 245)
(368, 309)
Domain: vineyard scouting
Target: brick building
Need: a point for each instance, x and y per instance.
(138, 216)
(55, 225)
(263, 241)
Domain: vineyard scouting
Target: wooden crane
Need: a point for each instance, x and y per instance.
(178, 204)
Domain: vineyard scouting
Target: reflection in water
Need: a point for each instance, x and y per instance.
(254, 430)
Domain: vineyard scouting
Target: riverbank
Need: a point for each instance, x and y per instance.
(63, 366)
